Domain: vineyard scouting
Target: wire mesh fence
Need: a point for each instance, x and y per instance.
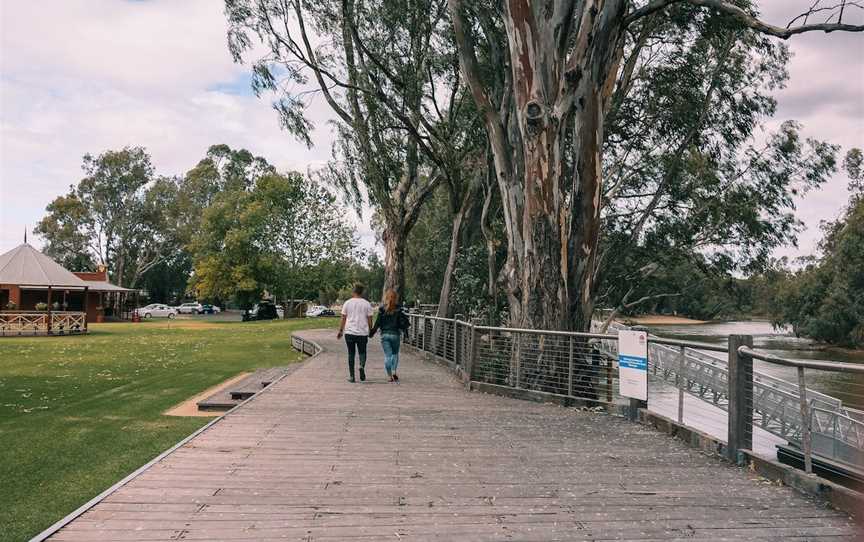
(688, 382)
(567, 364)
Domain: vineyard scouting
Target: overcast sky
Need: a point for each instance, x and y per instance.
(82, 76)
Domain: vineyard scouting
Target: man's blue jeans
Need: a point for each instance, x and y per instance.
(390, 343)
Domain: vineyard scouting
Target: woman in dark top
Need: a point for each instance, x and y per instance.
(393, 323)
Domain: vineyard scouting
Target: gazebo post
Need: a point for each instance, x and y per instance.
(85, 307)
(49, 310)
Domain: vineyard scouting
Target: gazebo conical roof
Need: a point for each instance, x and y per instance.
(26, 266)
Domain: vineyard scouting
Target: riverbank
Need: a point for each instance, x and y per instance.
(659, 320)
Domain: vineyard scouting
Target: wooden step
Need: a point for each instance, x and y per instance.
(242, 390)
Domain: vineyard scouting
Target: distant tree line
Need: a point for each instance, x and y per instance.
(229, 230)
(824, 298)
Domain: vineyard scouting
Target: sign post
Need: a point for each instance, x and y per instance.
(633, 367)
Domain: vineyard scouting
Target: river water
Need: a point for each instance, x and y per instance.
(846, 387)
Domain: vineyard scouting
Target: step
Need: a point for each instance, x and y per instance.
(255, 382)
(242, 390)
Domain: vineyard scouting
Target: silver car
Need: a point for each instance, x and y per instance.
(156, 310)
(190, 308)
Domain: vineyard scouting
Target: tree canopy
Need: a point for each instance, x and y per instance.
(118, 215)
(277, 236)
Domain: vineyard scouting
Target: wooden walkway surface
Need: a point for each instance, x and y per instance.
(316, 458)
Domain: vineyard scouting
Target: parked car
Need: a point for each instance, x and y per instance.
(156, 310)
(319, 310)
(264, 311)
(209, 309)
(190, 308)
(315, 310)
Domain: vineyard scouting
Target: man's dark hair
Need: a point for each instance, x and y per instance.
(359, 289)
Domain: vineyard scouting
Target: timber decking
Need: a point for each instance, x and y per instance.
(315, 458)
(232, 396)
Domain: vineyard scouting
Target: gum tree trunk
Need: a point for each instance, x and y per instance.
(546, 142)
(444, 308)
(394, 238)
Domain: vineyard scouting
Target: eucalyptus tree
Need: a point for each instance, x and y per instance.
(380, 68)
(273, 236)
(688, 173)
(566, 60)
(825, 299)
(118, 215)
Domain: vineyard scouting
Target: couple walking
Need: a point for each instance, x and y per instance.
(357, 327)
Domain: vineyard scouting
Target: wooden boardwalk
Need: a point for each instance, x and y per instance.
(315, 458)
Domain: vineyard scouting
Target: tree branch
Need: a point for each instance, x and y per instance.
(471, 73)
(744, 18)
(422, 194)
(313, 64)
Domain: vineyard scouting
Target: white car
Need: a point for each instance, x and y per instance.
(156, 310)
(315, 310)
(190, 308)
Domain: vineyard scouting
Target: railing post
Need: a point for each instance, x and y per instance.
(456, 342)
(740, 397)
(633, 411)
(457, 355)
(518, 352)
(806, 423)
(425, 336)
(570, 370)
(50, 316)
(608, 380)
(473, 355)
(682, 381)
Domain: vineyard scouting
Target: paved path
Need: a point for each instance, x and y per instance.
(315, 458)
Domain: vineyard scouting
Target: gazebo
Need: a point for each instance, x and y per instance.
(38, 296)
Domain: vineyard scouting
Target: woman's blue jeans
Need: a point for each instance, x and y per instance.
(390, 343)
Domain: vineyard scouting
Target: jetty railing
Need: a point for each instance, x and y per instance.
(20, 323)
(582, 369)
(838, 435)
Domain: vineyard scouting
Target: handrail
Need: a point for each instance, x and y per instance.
(783, 407)
(839, 366)
(548, 332)
(689, 344)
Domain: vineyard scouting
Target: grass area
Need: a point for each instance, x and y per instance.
(79, 413)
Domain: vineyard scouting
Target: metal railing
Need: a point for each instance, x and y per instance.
(835, 427)
(302, 345)
(561, 363)
(583, 367)
(776, 402)
(18, 323)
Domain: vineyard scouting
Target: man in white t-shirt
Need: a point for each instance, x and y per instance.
(356, 322)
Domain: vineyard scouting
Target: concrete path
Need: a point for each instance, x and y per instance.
(315, 458)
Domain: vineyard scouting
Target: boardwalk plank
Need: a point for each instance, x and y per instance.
(315, 458)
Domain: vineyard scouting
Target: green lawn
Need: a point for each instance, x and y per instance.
(79, 413)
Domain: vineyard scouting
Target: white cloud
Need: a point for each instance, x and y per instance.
(83, 76)
(86, 76)
(826, 94)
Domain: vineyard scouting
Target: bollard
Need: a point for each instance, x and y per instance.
(806, 423)
(740, 383)
(633, 410)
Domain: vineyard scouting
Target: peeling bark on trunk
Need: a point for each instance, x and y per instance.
(489, 237)
(455, 244)
(563, 58)
(394, 259)
(557, 90)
